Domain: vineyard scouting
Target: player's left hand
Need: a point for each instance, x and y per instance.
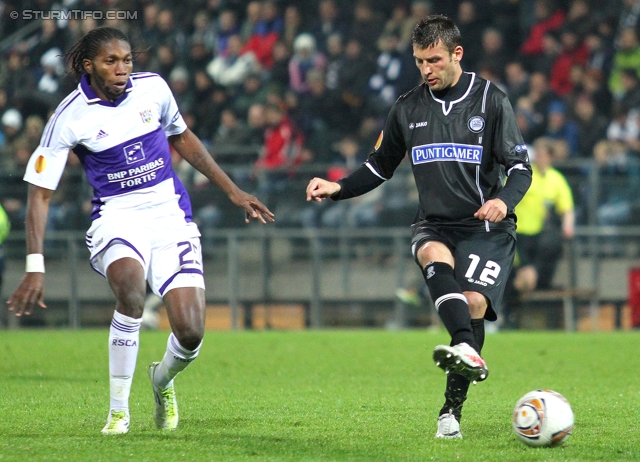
(494, 210)
(253, 207)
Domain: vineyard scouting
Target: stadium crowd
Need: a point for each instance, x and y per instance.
(281, 91)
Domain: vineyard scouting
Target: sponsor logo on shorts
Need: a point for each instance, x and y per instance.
(446, 152)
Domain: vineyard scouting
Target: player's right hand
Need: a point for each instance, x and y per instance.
(319, 189)
(29, 294)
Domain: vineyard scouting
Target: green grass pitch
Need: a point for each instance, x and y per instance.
(315, 395)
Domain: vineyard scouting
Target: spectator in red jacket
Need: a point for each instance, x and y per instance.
(548, 17)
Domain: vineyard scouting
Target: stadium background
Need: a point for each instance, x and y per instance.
(318, 78)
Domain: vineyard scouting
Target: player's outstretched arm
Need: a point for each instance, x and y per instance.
(189, 146)
(319, 189)
(30, 291)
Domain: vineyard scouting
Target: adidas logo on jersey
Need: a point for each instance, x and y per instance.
(101, 134)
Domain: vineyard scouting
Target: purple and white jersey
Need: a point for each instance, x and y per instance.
(122, 145)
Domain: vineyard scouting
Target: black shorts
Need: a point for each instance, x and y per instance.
(482, 260)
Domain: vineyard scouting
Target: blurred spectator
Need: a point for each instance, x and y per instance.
(562, 130)
(548, 17)
(630, 96)
(366, 26)
(595, 85)
(471, 29)
(531, 109)
(623, 126)
(203, 31)
(292, 25)
(179, 83)
(164, 60)
(233, 67)
(279, 71)
(282, 153)
(305, 57)
(252, 92)
(266, 33)
(517, 81)
(327, 22)
(10, 128)
(227, 27)
(322, 116)
(353, 78)
(592, 126)
(600, 54)
(50, 36)
(52, 69)
(543, 62)
(393, 77)
(401, 24)
(231, 131)
(627, 56)
(199, 56)
(492, 55)
(253, 12)
(256, 123)
(579, 19)
(335, 60)
(572, 51)
(169, 34)
(629, 16)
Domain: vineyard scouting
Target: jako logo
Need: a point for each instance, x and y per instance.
(418, 125)
(123, 342)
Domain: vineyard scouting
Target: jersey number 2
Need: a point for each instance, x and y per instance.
(488, 274)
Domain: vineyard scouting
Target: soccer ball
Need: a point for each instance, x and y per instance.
(542, 418)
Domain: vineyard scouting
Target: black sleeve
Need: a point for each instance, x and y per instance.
(387, 154)
(517, 185)
(359, 182)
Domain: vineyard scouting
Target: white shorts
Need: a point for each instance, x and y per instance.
(168, 248)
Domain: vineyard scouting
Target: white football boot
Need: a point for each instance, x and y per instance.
(117, 423)
(448, 427)
(166, 415)
(461, 359)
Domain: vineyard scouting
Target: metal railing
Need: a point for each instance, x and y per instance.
(318, 266)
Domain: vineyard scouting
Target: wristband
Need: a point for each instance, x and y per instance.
(35, 263)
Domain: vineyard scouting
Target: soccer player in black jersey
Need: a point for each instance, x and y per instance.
(461, 134)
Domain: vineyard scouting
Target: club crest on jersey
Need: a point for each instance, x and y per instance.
(446, 152)
(476, 124)
(146, 116)
(134, 153)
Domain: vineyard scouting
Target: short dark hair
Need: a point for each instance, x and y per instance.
(435, 28)
(89, 46)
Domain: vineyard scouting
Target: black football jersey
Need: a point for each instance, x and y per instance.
(457, 150)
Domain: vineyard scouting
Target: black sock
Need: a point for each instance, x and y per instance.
(457, 386)
(450, 303)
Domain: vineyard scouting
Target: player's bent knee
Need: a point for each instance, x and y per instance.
(190, 338)
(477, 304)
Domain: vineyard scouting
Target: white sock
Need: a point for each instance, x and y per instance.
(176, 359)
(124, 339)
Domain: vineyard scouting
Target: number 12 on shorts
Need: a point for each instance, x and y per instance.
(490, 271)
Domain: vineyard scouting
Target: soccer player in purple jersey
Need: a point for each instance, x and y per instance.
(121, 126)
